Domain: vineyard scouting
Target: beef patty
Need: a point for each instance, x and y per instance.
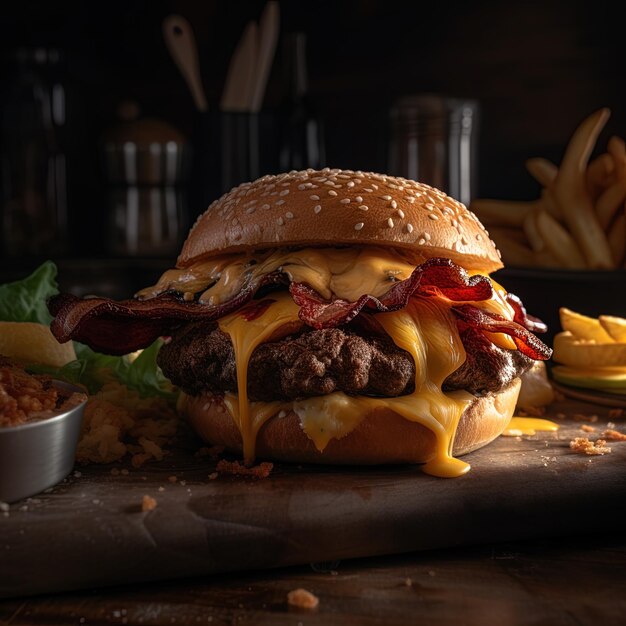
(200, 358)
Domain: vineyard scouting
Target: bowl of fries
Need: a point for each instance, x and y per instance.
(567, 248)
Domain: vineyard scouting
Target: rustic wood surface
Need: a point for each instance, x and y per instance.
(527, 537)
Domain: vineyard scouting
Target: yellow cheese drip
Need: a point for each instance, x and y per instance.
(425, 328)
(528, 426)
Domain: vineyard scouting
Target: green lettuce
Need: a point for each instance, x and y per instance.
(26, 301)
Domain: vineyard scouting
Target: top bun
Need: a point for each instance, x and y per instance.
(337, 207)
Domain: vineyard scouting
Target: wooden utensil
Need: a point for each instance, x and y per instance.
(269, 27)
(181, 44)
(237, 94)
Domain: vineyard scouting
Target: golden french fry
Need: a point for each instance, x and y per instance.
(617, 239)
(514, 253)
(558, 241)
(617, 149)
(570, 192)
(569, 351)
(547, 202)
(501, 212)
(614, 326)
(599, 173)
(542, 170)
(583, 327)
(532, 232)
(610, 202)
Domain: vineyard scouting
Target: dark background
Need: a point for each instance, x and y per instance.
(537, 69)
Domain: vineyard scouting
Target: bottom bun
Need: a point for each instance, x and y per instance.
(382, 436)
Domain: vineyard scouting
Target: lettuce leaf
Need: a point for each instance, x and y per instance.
(26, 301)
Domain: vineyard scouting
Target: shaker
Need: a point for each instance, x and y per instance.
(145, 162)
(434, 139)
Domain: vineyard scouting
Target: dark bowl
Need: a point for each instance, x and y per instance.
(544, 291)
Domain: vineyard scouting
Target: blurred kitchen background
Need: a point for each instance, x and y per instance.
(108, 155)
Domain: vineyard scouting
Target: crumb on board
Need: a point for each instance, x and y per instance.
(585, 446)
(614, 435)
(302, 599)
(235, 468)
(148, 503)
(581, 417)
(587, 428)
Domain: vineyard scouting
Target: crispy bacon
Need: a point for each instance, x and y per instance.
(436, 276)
(120, 327)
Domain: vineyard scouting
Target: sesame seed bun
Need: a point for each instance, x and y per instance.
(382, 436)
(339, 207)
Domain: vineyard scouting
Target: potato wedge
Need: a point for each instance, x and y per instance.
(583, 327)
(614, 326)
(31, 343)
(584, 354)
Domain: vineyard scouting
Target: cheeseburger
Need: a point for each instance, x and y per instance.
(330, 316)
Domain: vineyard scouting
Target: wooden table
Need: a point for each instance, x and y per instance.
(569, 574)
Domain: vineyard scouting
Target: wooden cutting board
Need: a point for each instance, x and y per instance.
(90, 531)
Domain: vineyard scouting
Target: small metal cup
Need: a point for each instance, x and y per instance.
(38, 455)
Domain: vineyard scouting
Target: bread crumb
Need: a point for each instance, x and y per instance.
(615, 414)
(587, 428)
(148, 503)
(235, 468)
(614, 435)
(585, 446)
(302, 599)
(581, 417)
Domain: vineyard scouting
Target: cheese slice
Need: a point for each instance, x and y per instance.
(426, 329)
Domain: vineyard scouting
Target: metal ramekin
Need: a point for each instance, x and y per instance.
(38, 455)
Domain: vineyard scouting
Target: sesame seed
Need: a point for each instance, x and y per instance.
(358, 225)
(350, 184)
(394, 204)
(464, 241)
(265, 206)
(235, 221)
(479, 237)
(368, 190)
(409, 228)
(358, 199)
(279, 202)
(331, 192)
(250, 209)
(411, 199)
(432, 216)
(314, 197)
(429, 206)
(386, 197)
(363, 207)
(289, 215)
(331, 183)
(427, 236)
(284, 192)
(280, 221)
(345, 201)
(375, 186)
(301, 187)
(317, 208)
(401, 214)
(421, 241)
(390, 223)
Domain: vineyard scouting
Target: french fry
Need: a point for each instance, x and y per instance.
(542, 170)
(609, 203)
(514, 253)
(501, 212)
(614, 326)
(570, 191)
(534, 236)
(599, 173)
(504, 233)
(583, 327)
(558, 241)
(617, 149)
(617, 240)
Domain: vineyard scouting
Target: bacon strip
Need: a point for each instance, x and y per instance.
(436, 276)
(120, 327)
(490, 322)
(533, 324)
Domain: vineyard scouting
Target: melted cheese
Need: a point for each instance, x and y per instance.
(346, 273)
(528, 426)
(425, 328)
